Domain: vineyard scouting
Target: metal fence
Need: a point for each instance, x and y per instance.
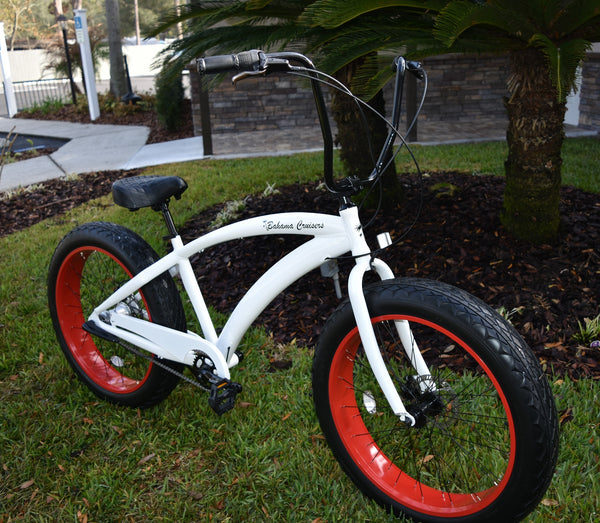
(37, 92)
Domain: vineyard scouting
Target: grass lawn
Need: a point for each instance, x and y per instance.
(65, 456)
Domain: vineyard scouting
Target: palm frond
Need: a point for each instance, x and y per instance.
(563, 61)
(580, 19)
(333, 13)
(458, 17)
(205, 14)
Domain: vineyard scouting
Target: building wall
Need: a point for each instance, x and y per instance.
(589, 106)
(275, 102)
(461, 88)
(465, 87)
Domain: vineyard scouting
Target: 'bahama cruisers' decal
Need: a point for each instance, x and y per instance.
(271, 225)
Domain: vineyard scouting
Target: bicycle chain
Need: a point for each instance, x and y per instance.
(163, 365)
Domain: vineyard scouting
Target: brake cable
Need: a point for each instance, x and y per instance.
(313, 74)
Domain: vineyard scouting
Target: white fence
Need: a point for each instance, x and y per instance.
(33, 64)
(31, 67)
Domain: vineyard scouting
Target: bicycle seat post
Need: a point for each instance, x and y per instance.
(164, 209)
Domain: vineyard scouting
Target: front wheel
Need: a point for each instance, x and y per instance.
(89, 264)
(485, 442)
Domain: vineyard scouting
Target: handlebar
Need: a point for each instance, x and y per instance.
(244, 61)
(256, 62)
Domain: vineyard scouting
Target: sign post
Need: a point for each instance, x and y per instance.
(89, 77)
(9, 92)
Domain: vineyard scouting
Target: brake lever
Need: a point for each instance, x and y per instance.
(246, 74)
(271, 64)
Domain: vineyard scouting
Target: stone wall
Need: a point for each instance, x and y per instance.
(461, 88)
(256, 104)
(465, 87)
(589, 106)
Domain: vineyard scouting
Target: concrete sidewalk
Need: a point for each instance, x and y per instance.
(90, 148)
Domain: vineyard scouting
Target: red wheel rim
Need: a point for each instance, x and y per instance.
(71, 318)
(375, 464)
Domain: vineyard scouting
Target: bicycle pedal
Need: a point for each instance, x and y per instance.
(222, 395)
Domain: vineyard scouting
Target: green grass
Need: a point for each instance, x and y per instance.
(65, 456)
(578, 168)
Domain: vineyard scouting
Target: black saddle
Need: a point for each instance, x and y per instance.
(147, 191)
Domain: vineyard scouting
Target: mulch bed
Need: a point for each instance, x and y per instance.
(458, 239)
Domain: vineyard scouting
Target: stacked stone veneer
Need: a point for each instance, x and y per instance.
(461, 88)
(256, 104)
(465, 88)
(589, 105)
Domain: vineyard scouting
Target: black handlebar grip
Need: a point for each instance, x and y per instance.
(244, 61)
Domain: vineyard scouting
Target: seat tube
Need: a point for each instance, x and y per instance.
(190, 284)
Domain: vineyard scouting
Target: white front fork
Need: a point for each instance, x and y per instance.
(367, 335)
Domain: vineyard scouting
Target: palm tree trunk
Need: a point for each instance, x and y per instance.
(535, 135)
(355, 125)
(118, 81)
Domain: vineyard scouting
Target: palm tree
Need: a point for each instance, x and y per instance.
(546, 40)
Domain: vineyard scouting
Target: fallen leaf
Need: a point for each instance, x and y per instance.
(27, 484)
(566, 416)
(426, 459)
(547, 502)
(145, 459)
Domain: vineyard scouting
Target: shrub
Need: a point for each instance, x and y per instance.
(169, 95)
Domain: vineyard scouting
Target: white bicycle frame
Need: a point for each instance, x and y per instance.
(332, 237)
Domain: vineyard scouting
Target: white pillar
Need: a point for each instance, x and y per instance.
(89, 76)
(9, 92)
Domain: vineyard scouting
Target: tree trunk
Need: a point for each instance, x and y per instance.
(118, 81)
(535, 135)
(359, 154)
(58, 10)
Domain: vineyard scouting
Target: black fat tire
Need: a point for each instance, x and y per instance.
(439, 310)
(110, 254)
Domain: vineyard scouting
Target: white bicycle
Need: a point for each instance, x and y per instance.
(472, 437)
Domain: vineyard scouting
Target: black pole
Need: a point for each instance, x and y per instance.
(411, 106)
(130, 97)
(205, 118)
(62, 20)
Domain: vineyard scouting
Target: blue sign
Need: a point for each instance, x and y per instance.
(77, 22)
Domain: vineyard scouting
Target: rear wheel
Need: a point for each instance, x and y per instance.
(87, 267)
(485, 442)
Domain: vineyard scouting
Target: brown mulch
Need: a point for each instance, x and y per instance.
(458, 239)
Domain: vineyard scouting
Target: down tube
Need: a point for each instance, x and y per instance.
(286, 271)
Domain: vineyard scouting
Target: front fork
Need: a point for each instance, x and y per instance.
(369, 341)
